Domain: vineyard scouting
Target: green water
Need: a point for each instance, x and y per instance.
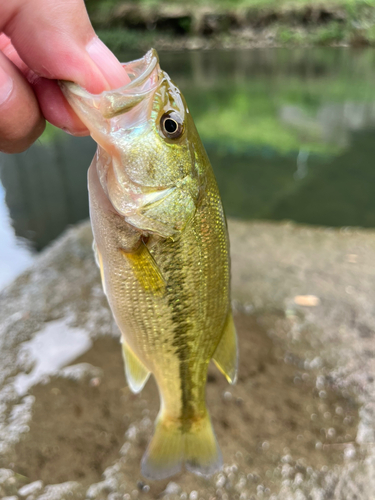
(290, 134)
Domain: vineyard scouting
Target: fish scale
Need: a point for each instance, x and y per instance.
(163, 255)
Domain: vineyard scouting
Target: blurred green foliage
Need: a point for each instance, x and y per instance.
(250, 117)
(50, 134)
(351, 5)
(346, 22)
(121, 40)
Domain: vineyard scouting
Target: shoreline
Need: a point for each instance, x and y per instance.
(131, 25)
(125, 40)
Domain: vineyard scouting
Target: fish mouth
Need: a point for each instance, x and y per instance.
(141, 69)
(145, 75)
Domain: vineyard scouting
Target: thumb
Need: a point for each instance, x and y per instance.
(55, 40)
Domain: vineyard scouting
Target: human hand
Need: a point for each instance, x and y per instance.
(43, 41)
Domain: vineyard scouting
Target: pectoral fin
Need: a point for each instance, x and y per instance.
(226, 354)
(146, 269)
(136, 373)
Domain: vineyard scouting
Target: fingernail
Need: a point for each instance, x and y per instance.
(6, 86)
(108, 63)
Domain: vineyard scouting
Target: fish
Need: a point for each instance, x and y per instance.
(161, 243)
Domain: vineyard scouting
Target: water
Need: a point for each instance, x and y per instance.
(290, 134)
(15, 255)
(54, 347)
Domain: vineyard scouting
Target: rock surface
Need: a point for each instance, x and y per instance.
(298, 425)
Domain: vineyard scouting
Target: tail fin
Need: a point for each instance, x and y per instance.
(202, 453)
(171, 446)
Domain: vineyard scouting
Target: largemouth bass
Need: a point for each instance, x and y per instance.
(162, 246)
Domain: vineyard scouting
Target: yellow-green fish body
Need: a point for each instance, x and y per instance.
(161, 243)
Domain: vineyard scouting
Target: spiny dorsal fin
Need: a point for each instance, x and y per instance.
(226, 354)
(136, 373)
(146, 269)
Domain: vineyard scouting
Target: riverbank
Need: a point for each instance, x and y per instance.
(249, 24)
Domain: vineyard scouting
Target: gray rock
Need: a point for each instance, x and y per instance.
(31, 488)
(81, 372)
(6, 475)
(115, 496)
(71, 490)
(8, 482)
(172, 489)
(272, 264)
(97, 490)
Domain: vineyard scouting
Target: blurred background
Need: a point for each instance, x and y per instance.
(282, 94)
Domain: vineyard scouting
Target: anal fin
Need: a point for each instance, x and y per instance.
(99, 263)
(145, 269)
(226, 354)
(136, 373)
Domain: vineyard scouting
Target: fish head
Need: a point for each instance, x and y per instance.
(148, 147)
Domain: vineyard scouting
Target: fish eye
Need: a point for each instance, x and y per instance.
(171, 125)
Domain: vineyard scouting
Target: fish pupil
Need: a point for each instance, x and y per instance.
(170, 126)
